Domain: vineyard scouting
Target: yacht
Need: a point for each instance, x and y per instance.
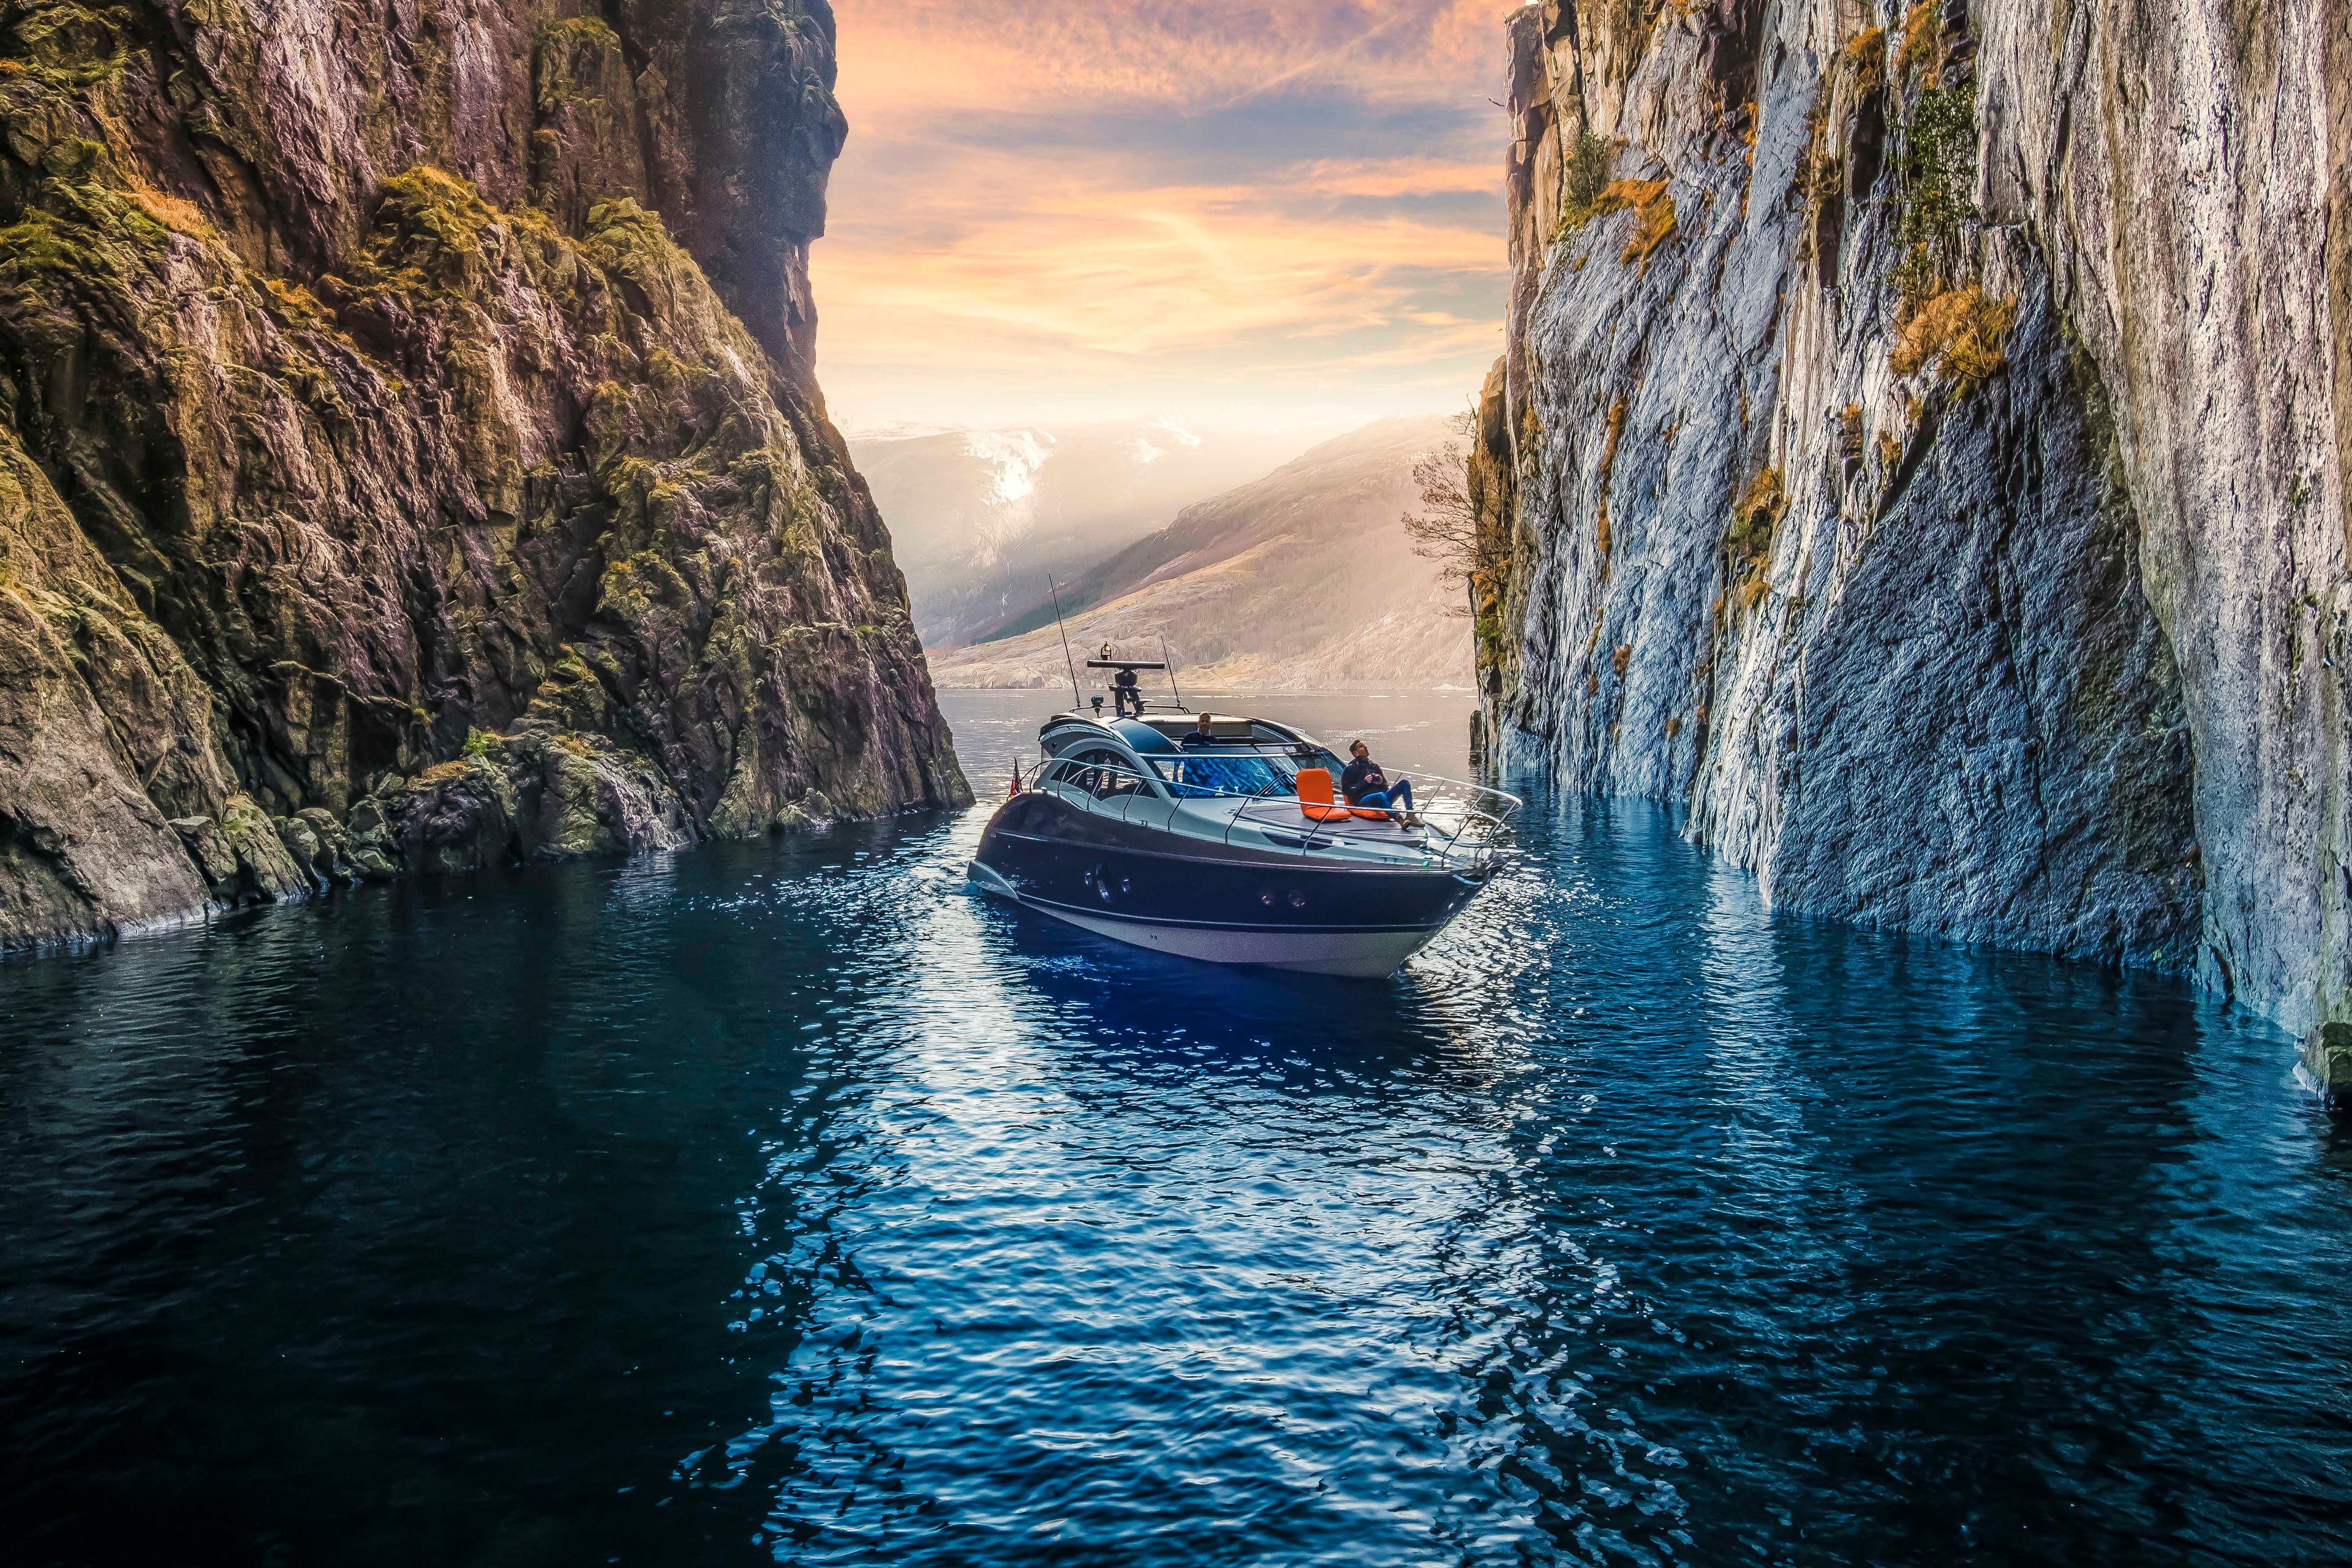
(1232, 849)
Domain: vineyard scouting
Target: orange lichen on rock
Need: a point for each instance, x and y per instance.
(1960, 332)
(1866, 60)
(1647, 200)
(1657, 228)
(1922, 33)
(1747, 542)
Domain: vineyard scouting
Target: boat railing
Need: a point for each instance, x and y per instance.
(1468, 838)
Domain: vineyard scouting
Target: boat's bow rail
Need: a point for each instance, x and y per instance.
(1464, 827)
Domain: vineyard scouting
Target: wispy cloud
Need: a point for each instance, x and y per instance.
(1052, 210)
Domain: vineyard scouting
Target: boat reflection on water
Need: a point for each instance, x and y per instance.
(1223, 841)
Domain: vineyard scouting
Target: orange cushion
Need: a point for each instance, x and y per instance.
(1315, 798)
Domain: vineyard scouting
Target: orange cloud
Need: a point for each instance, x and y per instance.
(1055, 210)
(1187, 53)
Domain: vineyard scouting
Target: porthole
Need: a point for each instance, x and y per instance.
(1297, 899)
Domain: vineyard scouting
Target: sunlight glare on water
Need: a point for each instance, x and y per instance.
(787, 1201)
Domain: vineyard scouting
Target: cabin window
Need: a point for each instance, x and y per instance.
(1253, 775)
(1103, 774)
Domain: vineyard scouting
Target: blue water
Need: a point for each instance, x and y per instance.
(783, 1201)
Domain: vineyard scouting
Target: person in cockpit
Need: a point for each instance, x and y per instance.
(1201, 733)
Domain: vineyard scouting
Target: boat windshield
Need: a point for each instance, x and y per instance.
(1234, 773)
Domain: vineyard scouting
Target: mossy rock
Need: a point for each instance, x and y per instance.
(572, 60)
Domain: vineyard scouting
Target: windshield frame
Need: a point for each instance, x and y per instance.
(1252, 774)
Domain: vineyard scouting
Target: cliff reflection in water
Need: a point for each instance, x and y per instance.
(783, 1200)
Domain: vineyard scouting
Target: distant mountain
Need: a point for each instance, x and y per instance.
(977, 517)
(1302, 579)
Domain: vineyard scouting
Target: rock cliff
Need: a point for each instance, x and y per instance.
(1920, 452)
(410, 454)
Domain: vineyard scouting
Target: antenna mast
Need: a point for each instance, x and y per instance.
(1077, 701)
(1170, 663)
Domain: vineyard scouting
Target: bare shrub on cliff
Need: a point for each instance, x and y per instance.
(1448, 528)
(1445, 528)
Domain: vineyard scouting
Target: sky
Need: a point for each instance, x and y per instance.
(1284, 214)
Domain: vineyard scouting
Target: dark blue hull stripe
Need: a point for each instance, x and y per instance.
(1260, 860)
(1096, 912)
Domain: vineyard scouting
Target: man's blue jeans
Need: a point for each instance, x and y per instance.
(1398, 796)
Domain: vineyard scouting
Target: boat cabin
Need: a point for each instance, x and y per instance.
(1256, 782)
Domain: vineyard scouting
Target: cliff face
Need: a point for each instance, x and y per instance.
(1923, 440)
(409, 451)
